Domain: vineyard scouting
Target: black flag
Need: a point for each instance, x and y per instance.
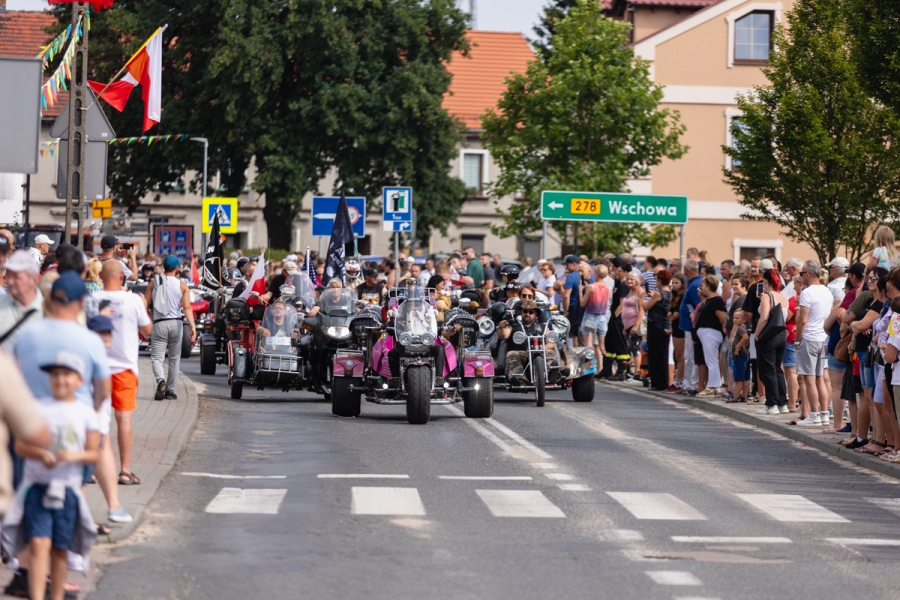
(214, 258)
(341, 235)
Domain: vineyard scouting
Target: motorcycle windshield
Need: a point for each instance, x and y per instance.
(280, 321)
(415, 319)
(299, 286)
(336, 308)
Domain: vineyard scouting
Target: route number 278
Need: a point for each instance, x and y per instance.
(585, 206)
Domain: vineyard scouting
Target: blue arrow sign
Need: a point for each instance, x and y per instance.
(324, 209)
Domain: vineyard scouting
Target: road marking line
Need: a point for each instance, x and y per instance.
(891, 504)
(560, 476)
(386, 501)
(661, 507)
(792, 508)
(519, 503)
(694, 598)
(629, 535)
(574, 487)
(688, 539)
(484, 478)
(248, 502)
(479, 428)
(518, 438)
(217, 476)
(862, 542)
(673, 578)
(359, 476)
(544, 465)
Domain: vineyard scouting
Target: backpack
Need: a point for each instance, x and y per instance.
(160, 295)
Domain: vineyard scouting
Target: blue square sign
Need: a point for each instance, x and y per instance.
(396, 205)
(324, 209)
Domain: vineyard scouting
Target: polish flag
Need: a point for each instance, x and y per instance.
(144, 69)
(97, 4)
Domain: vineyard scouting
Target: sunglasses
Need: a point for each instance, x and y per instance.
(526, 296)
(871, 278)
(529, 312)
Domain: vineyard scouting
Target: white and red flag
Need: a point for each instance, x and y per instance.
(97, 4)
(144, 69)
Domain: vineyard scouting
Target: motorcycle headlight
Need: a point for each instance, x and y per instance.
(338, 331)
(406, 338)
(486, 326)
(589, 354)
(428, 338)
(553, 337)
(519, 337)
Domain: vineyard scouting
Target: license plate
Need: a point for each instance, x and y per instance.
(585, 206)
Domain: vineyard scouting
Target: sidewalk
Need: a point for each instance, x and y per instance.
(161, 431)
(746, 413)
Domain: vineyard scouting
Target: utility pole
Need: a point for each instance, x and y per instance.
(205, 143)
(77, 125)
(473, 10)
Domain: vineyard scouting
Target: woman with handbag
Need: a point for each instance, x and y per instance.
(770, 343)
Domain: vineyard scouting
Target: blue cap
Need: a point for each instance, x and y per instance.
(572, 259)
(171, 262)
(100, 324)
(69, 287)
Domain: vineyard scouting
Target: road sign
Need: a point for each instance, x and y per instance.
(396, 205)
(102, 208)
(98, 126)
(324, 209)
(226, 208)
(20, 119)
(94, 171)
(614, 207)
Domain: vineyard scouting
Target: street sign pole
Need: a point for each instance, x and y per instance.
(397, 258)
(77, 126)
(681, 245)
(205, 155)
(544, 239)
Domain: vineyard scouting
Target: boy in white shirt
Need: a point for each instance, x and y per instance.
(53, 505)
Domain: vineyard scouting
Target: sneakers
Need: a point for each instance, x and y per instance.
(160, 390)
(119, 515)
(783, 409)
(18, 587)
(825, 417)
(171, 396)
(617, 377)
(812, 420)
(672, 389)
(768, 410)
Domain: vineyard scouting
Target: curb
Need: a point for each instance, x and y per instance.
(150, 483)
(792, 432)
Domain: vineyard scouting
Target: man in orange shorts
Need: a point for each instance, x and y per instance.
(129, 315)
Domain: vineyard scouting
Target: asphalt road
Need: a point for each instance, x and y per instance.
(626, 497)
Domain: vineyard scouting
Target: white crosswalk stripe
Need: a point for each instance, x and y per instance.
(792, 508)
(891, 504)
(673, 578)
(519, 503)
(659, 507)
(386, 501)
(248, 502)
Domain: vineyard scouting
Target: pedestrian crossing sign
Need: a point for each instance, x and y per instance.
(226, 209)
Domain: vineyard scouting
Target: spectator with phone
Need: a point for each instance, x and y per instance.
(110, 250)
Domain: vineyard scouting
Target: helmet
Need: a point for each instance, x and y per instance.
(351, 267)
(511, 272)
(411, 281)
(498, 311)
(234, 274)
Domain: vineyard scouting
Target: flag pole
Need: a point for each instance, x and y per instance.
(130, 60)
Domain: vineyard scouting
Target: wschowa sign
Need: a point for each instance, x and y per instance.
(613, 207)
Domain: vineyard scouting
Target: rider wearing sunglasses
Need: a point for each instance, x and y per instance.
(517, 354)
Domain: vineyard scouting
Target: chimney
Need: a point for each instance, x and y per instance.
(2, 4)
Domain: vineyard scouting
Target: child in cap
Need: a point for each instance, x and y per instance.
(50, 516)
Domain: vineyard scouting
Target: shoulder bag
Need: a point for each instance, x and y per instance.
(775, 323)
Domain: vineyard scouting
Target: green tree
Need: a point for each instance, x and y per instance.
(586, 119)
(299, 89)
(554, 12)
(817, 154)
(874, 29)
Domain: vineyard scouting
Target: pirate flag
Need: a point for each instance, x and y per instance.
(214, 258)
(341, 235)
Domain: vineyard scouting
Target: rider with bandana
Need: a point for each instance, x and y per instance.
(517, 355)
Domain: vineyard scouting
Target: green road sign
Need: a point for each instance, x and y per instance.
(613, 208)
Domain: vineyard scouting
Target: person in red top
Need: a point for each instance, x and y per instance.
(789, 364)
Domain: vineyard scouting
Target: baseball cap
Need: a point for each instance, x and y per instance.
(171, 262)
(4, 243)
(291, 257)
(766, 265)
(100, 324)
(43, 239)
(109, 241)
(370, 272)
(69, 287)
(65, 360)
(290, 267)
(572, 259)
(839, 263)
(22, 262)
(857, 269)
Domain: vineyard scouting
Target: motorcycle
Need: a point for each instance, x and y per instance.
(331, 332)
(464, 375)
(351, 366)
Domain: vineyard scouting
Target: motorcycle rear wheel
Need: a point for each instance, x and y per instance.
(418, 401)
(345, 403)
(186, 344)
(479, 404)
(540, 380)
(207, 359)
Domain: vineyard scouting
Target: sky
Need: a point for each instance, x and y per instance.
(492, 15)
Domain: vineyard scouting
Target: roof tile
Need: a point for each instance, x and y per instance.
(478, 80)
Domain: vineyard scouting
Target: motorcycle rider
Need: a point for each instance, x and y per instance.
(352, 271)
(517, 355)
(275, 323)
(371, 290)
(429, 317)
(509, 274)
(146, 275)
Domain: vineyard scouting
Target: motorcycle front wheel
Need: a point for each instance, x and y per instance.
(540, 380)
(344, 402)
(418, 388)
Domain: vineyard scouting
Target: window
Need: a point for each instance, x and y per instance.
(751, 253)
(473, 173)
(753, 38)
(749, 249)
(740, 126)
(474, 240)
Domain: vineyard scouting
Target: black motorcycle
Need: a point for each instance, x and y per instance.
(331, 332)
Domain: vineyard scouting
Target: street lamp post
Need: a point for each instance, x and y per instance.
(205, 158)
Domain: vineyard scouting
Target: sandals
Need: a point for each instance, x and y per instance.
(126, 478)
(737, 400)
(708, 392)
(103, 530)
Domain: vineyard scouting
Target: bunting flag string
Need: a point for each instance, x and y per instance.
(49, 52)
(52, 147)
(58, 81)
